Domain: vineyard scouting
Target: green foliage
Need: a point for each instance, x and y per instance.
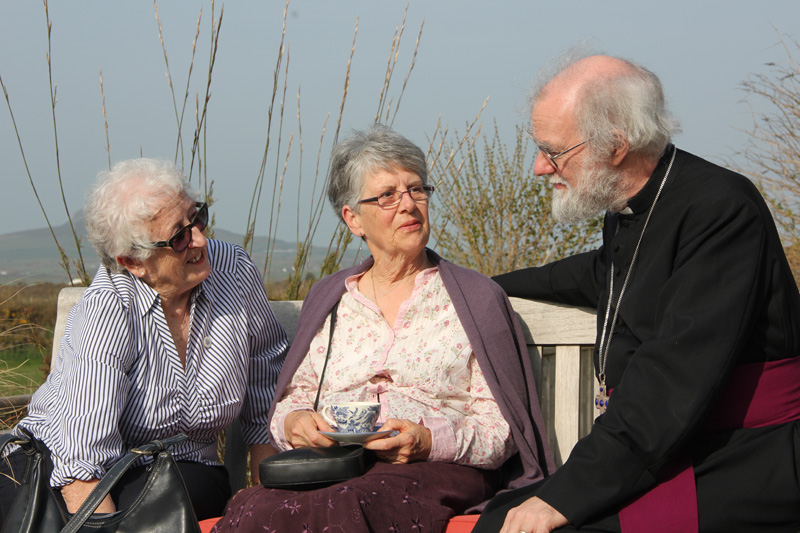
(494, 215)
(21, 371)
(27, 317)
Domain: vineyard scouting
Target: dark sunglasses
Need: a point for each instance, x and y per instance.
(180, 241)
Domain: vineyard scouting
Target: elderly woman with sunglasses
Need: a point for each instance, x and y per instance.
(437, 345)
(174, 335)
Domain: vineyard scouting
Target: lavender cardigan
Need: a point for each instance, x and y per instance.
(496, 338)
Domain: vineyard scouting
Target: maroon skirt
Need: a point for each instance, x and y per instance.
(418, 497)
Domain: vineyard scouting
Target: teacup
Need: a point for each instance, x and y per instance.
(352, 417)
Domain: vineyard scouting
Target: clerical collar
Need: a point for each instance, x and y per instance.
(644, 199)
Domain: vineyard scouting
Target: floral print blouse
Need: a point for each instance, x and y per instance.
(420, 368)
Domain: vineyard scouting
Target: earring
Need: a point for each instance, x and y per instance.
(360, 246)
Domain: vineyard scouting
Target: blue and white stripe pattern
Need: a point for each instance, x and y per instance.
(117, 380)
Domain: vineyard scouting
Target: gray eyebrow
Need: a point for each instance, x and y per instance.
(539, 143)
(544, 145)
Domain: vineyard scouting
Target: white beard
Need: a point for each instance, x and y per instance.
(598, 190)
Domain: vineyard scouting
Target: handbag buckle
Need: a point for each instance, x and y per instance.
(25, 445)
(151, 448)
(139, 451)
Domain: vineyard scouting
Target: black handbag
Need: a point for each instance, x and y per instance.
(312, 468)
(315, 467)
(163, 506)
(36, 509)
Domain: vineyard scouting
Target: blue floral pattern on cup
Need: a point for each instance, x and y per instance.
(355, 417)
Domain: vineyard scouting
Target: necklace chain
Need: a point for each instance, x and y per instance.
(602, 400)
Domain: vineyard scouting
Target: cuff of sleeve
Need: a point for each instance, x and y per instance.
(66, 474)
(443, 439)
(596, 461)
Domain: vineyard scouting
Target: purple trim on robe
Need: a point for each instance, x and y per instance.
(774, 387)
(757, 395)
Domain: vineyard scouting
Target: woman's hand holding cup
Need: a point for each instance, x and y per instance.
(302, 429)
(413, 442)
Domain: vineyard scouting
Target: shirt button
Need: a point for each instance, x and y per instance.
(207, 342)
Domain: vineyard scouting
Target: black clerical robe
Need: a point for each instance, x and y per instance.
(710, 289)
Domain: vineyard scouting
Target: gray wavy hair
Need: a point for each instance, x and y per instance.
(122, 203)
(631, 105)
(378, 148)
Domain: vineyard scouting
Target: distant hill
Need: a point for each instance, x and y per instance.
(31, 256)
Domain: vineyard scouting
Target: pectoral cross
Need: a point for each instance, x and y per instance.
(601, 399)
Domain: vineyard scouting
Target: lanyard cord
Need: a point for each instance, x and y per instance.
(604, 345)
(327, 355)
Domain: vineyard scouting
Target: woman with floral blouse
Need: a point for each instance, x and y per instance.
(437, 345)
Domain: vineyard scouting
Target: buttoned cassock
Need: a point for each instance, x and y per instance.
(711, 289)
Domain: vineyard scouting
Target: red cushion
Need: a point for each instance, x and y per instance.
(462, 523)
(206, 525)
(457, 524)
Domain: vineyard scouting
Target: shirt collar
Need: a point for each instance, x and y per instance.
(147, 298)
(644, 198)
(351, 282)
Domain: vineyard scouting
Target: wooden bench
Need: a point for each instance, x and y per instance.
(561, 356)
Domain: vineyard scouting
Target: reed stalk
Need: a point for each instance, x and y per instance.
(105, 118)
(255, 198)
(277, 182)
(215, 32)
(179, 116)
(79, 264)
(64, 262)
(341, 238)
(279, 194)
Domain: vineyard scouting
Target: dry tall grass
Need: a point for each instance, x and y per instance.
(282, 142)
(772, 152)
(27, 316)
(12, 407)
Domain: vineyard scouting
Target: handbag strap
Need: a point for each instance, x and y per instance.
(27, 442)
(113, 476)
(10, 438)
(327, 355)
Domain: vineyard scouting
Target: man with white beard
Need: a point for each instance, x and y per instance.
(698, 342)
(597, 190)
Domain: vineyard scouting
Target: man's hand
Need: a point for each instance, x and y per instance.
(533, 516)
(414, 442)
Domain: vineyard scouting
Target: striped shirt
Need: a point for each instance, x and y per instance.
(117, 380)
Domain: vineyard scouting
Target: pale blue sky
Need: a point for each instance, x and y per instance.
(470, 49)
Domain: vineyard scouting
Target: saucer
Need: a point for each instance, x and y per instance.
(358, 438)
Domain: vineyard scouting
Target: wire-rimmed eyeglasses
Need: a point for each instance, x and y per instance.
(552, 158)
(180, 241)
(419, 193)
